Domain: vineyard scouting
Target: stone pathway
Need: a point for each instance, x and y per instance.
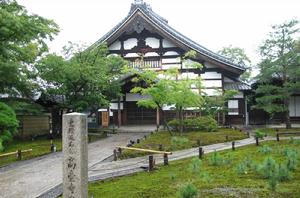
(31, 178)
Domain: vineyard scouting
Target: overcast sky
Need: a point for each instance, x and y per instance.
(212, 23)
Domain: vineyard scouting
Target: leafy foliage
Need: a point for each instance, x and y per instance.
(178, 142)
(215, 159)
(8, 124)
(279, 75)
(188, 191)
(168, 88)
(217, 104)
(203, 123)
(86, 78)
(22, 40)
(238, 56)
(195, 165)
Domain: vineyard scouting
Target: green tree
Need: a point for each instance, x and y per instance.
(22, 40)
(279, 75)
(85, 78)
(167, 88)
(238, 56)
(8, 124)
(158, 89)
(213, 105)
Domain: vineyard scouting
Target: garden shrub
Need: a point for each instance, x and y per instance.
(283, 173)
(265, 149)
(188, 191)
(8, 124)
(178, 142)
(195, 165)
(268, 168)
(215, 159)
(244, 166)
(204, 123)
(260, 134)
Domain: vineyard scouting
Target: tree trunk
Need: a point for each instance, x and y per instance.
(181, 120)
(165, 121)
(288, 124)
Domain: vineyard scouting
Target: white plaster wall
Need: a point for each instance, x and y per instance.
(212, 83)
(294, 106)
(170, 60)
(189, 75)
(130, 55)
(211, 75)
(135, 97)
(168, 107)
(167, 43)
(233, 104)
(152, 42)
(239, 95)
(114, 106)
(115, 46)
(171, 53)
(169, 66)
(130, 43)
(212, 92)
(151, 54)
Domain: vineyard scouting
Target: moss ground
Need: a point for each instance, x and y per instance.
(165, 139)
(211, 181)
(273, 131)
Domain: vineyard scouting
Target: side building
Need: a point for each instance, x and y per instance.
(143, 33)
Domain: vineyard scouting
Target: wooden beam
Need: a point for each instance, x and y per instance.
(145, 150)
(13, 153)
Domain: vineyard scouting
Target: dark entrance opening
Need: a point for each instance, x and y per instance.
(140, 115)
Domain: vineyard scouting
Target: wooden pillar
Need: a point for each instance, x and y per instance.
(119, 113)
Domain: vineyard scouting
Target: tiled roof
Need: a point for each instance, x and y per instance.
(236, 86)
(162, 23)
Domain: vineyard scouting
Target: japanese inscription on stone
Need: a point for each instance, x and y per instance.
(75, 155)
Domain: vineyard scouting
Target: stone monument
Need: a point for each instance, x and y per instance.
(75, 160)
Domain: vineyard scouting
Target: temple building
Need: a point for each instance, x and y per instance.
(144, 33)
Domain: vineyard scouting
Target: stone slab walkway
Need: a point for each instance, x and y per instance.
(31, 178)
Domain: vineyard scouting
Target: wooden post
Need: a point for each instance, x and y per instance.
(257, 141)
(201, 152)
(277, 137)
(226, 137)
(120, 151)
(233, 145)
(115, 155)
(151, 163)
(75, 155)
(19, 154)
(248, 134)
(166, 160)
(138, 141)
(145, 136)
(119, 113)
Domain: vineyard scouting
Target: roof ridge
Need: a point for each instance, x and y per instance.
(163, 24)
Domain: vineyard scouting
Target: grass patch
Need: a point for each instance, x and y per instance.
(211, 181)
(184, 141)
(39, 147)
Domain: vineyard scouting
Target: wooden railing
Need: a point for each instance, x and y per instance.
(145, 64)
